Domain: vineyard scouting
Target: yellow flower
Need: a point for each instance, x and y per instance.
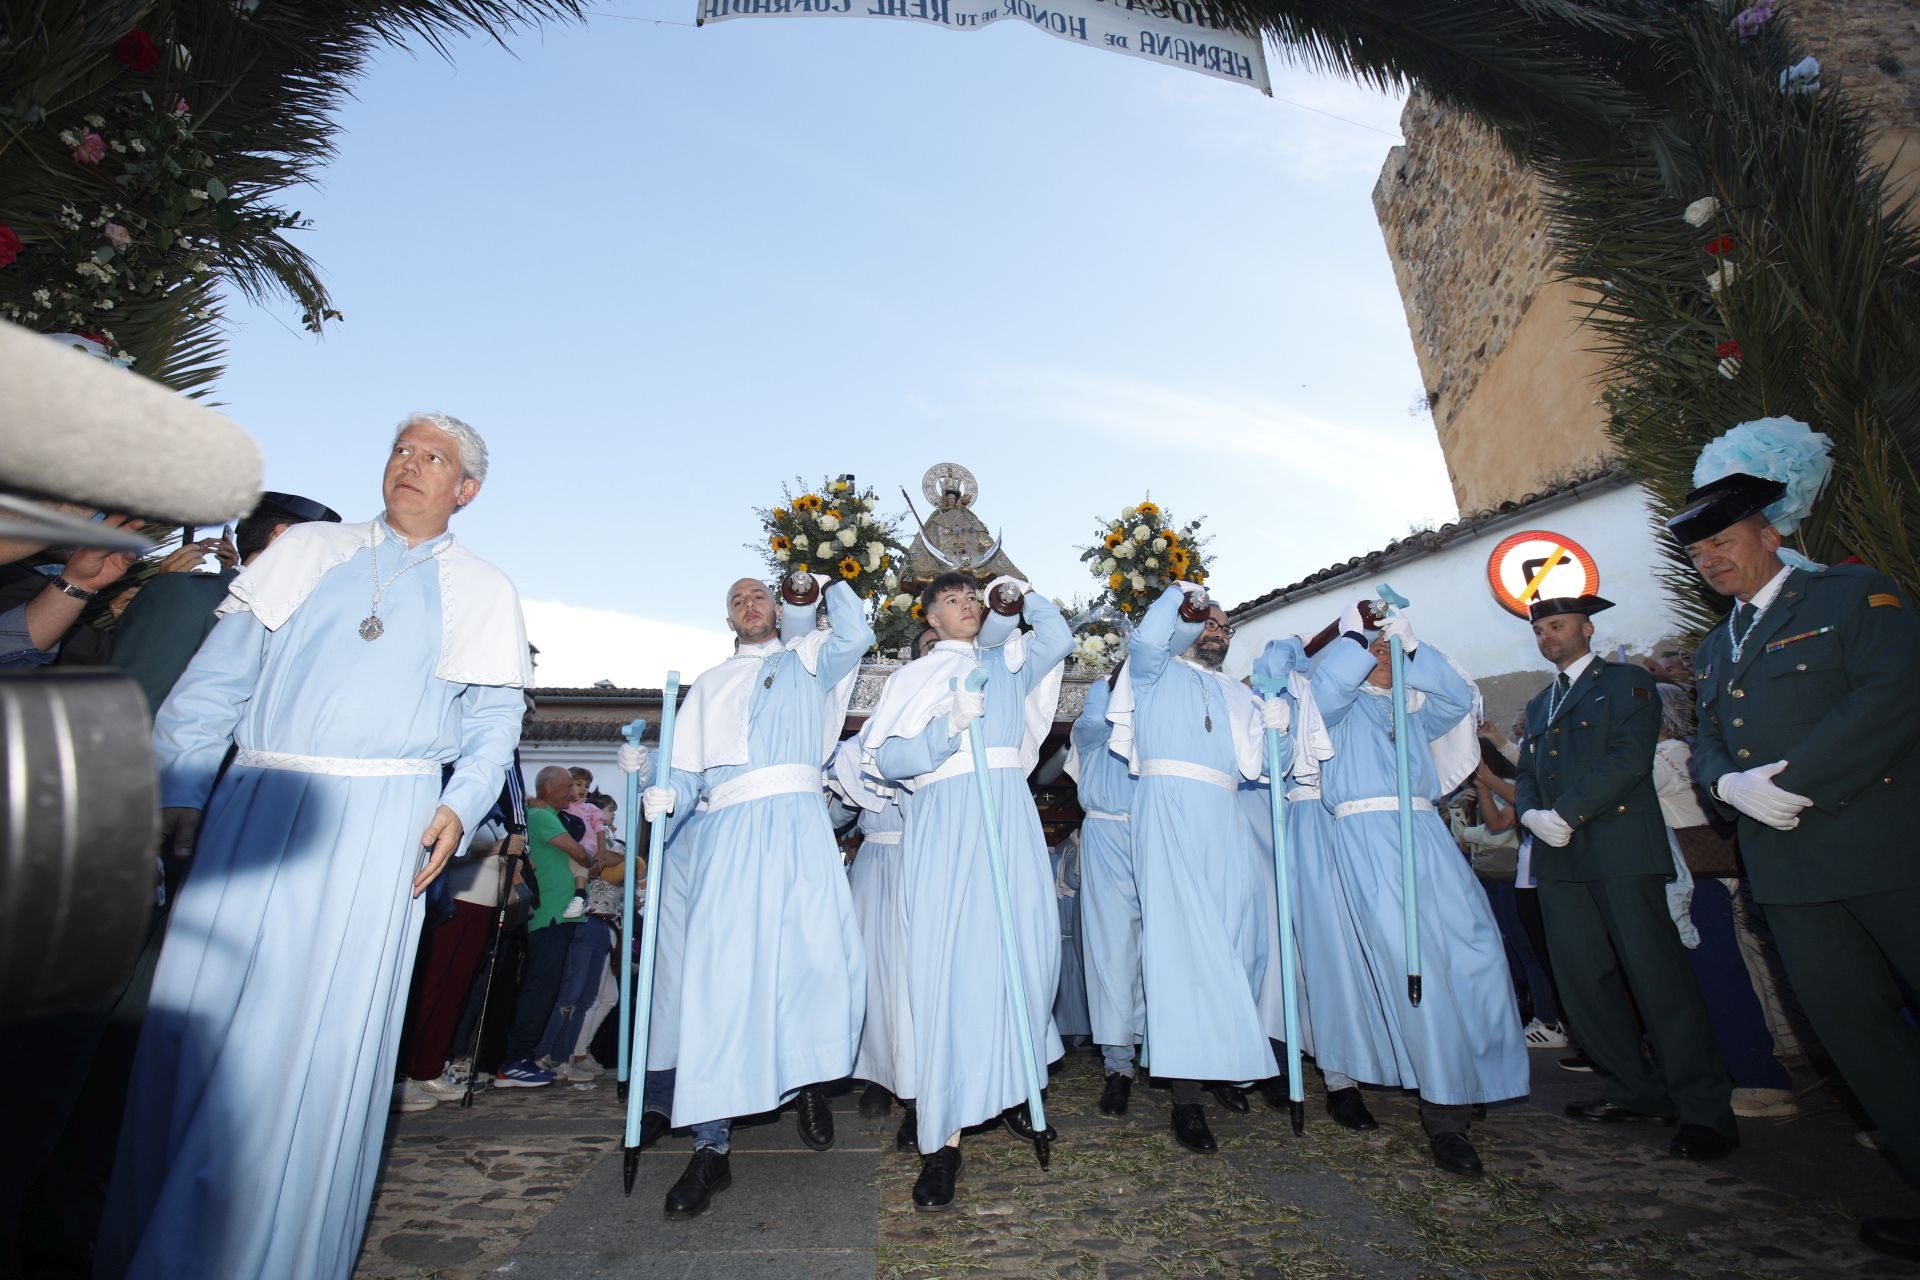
(839, 486)
(1113, 540)
(1178, 573)
(886, 562)
(1148, 509)
(1172, 537)
(917, 612)
(1117, 581)
(1198, 576)
(779, 513)
(808, 502)
(802, 567)
(1126, 606)
(779, 542)
(849, 568)
(835, 513)
(1179, 557)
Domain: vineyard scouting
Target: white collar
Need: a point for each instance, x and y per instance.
(765, 649)
(385, 532)
(1580, 664)
(1771, 592)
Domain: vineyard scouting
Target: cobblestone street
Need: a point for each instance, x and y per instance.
(526, 1184)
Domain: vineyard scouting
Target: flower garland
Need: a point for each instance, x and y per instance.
(1141, 554)
(835, 528)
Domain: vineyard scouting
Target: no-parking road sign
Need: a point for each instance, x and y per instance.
(1539, 565)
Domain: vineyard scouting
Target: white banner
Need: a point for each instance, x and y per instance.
(1180, 33)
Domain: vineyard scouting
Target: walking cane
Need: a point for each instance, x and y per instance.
(1409, 879)
(493, 967)
(1009, 945)
(634, 730)
(649, 936)
(1271, 688)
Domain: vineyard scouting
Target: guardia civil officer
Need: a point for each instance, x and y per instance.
(1601, 857)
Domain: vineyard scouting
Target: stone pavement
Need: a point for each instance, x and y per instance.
(527, 1185)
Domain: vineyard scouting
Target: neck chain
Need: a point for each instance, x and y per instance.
(371, 628)
(1736, 641)
(1556, 698)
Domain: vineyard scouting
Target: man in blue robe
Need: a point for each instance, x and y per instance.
(350, 664)
(1462, 1044)
(772, 984)
(1109, 901)
(1193, 736)
(966, 1049)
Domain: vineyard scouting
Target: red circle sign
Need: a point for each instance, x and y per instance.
(1539, 565)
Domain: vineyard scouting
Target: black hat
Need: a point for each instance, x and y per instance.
(1588, 605)
(292, 504)
(1721, 504)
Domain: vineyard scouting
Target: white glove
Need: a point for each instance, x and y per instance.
(631, 759)
(1190, 588)
(1396, 624)
(1754, 794)
(968, 705)
(1351, 622)
(656, 802)
(1275, 714)
(1548, 826)
(1008, 580)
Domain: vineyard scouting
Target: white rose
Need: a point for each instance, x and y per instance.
(903, 602)
(1108, 565)
(1701, 211)
(800, 542)
(1124, 550)
(1153, 562)
(1721, 277)
(893, 581)
(848, 537)
(1139, 583)
(829, 523)
(783, 556)
(1096, 643)
(1129, 514)
(875, 550)
(1159, 544)
(1141, 533)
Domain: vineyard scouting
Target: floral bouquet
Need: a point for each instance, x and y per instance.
(1141, 554)
(836, 529)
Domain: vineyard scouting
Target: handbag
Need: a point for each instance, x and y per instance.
(1708, 853)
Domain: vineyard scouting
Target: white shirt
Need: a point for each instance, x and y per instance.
(1579, 664)
(1769, 593)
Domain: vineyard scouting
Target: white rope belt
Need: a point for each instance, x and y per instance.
(1380, 804)
(1186, 769)
(881, 837)
(1107, 817)
(1297, 794)
(335, 766)
(774, 780)
(961, 762)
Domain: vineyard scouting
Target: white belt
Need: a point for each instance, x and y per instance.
(336, 766)
(1296, 794)
(961, 762)
(774, 780)
(1186, 769)
(1380, 804)
(1110, 817)
(881, 837)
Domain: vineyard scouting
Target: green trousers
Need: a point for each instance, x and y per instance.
(1841, 958)
(1614, 948)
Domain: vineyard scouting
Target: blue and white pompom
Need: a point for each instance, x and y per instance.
(1783, 449)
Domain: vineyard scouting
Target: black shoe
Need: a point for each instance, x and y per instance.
(1604, 1112)
(1273, 1092)
(933, 1189)
(706, 1173)
(1578, 1062)
(653, 1127)
(1478, 1111)
(1349, 1110)
(1897, 1237)
(907, 1137)
(1697, 1142)
(1190, 1127)
(1020, 1120)
(1230, 1096)
(1453, 1153)
(875, 1102)
(814, 1117)
(1113, 1098)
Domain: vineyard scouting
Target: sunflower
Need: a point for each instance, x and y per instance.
(886, 562)
(1179, 557)
(1177, 573)
(918, 611)
(1148, 510)
(1171, 535)
(808, 502)
(1117, 581)
(835, 513)
(849, 568)
(1126, 606)
(1198, 576)
(780, 542)
(1114, 540)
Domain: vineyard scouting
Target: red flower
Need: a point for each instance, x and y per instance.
(180, 107)
(1729, 350)
(9, 245)
(1720, 246)
(137, 50)
(92, 149)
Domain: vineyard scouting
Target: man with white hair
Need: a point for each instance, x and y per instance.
(351, 666)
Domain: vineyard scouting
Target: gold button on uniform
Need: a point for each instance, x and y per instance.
(1623, 808)
(1801, 667)
(1738, 723)
(1553, 753)
(1743, 753)
(1739, 693)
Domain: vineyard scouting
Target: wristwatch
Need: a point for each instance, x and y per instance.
(78, 593)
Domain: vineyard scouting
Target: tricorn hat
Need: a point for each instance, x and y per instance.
(292, 504)
(1721, 504)
(1588, 605)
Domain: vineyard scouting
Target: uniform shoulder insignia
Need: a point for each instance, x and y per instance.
(1643, 693)
(1883, 600)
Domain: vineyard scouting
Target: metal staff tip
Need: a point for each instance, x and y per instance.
(1299, 1110)
(1413, 989)
(629, 1168)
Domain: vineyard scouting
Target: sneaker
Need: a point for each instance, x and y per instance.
(1540, 1035)
(1764, 1104)
(1578, 1062)
(578, 1070)
(411, 1095)
(576, 908)
(448, 1084)
(523, 1074)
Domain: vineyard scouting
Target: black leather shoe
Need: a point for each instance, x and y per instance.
(1190, 1127)
(1604, 1112)
(706, 1173)
(907, 1138)
(814, 1118)
(653, 1127)
(933, 1189)
(1896, 1237)
(1230, 1096)
(1113, 1098)
(1273, 1092)
(1020, 1121)
(875, 1102)
(1697, 1142)
(1349, 1110)
(1453, 1153)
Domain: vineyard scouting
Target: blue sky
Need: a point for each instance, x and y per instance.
(664, 270)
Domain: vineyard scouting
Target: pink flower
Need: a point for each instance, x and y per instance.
(92, 149)
(116, 235)
(9, 245)
(180, 107)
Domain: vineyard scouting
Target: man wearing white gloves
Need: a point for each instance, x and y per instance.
(772, 983)
(1192, 736)
(1602, 860)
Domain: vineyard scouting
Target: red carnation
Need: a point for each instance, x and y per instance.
(1720, 246)
(138, 51)
(1729, 350)
(9, 245)
(92, 149)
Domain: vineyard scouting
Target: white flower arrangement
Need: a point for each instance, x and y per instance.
(1140, 555)
(835, 529)
(848, 537)
(1701, 211)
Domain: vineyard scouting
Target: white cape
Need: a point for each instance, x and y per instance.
(919, 691)
(710, 729)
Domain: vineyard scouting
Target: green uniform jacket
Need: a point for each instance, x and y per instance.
(1593, 765)
(162, 629)
(1826, 682)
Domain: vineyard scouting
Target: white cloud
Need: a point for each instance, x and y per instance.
(579, 646)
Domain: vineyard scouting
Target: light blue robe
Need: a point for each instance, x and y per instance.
(1203, 927)
(772, 989)
(265, 1068)
(966, 1051)
(1070, 999)
(1109, 901)
(878, 884)
(1462, 1044)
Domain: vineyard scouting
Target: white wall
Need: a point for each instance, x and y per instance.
(1452, 606)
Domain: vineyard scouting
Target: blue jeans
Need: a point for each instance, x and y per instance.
(1118, 1059)
(586, 960)
(539, 987)
(1738, 1021)
(658, 1096)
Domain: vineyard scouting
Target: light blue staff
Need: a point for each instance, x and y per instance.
(634, 730)
(1409, 877)
(650, 937)
(1009, 944)
(1271, 688)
